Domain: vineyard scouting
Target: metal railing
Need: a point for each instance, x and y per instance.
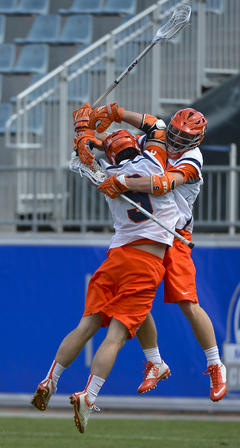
(78, 206)
(171, 75)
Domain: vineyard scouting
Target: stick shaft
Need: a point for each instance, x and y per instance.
(123, 74)
(165, 33)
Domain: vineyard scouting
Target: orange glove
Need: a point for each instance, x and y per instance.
(154, 128)
(163, 184)
(81, 117)
(113, 186)
(102, 117)
(81, 141)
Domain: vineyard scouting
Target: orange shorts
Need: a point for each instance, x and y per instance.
(124, 287)
(179, 278)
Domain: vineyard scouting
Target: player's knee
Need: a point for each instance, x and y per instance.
(190, 309)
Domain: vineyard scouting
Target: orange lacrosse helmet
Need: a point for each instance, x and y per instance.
(184, 132)
(121, 145)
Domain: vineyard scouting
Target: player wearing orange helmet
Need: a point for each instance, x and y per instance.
(185, 131)
(121, 291)
(183, 177)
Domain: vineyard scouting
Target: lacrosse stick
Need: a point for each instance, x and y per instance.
(94, 172)
(96, 175)
(171, 29)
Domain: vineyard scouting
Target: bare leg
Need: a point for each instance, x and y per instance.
(201, 324)
(74, 342)
(105, 356)
(147, 333)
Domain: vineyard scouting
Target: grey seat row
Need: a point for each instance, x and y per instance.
(31, 59)
(24, 7)
(101, 7)
(77, 29)
(31, 7)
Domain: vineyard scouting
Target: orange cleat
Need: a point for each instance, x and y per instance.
(153, 374)
(218, 381)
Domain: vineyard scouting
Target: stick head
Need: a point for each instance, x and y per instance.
(93, 172)
(175, 24)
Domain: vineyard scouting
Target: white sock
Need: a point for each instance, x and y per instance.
(212, 355)
(55, 371)
(93, 386)
(153, 355)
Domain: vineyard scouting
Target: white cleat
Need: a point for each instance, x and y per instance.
(43, 394)
(82, 409)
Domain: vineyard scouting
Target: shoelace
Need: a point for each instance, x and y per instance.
(96, 408)
(213, 372)
(147, 369)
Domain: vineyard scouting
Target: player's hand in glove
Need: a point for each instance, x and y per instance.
(81, 117)
(113, 186)
(84, 140)
(102, 117)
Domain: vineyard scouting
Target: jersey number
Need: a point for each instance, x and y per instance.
(142, 199)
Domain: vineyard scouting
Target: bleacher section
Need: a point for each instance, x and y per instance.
(45, 194)
(36, 36)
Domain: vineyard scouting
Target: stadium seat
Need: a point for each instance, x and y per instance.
(2, 27)
(32, 58)
(31, 7)
(84, 7)
(8, 6)
(7, 57)
(6, 111)
(77, 29)
(45, 29)
(120, 7)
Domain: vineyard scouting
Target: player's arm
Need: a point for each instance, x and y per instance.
(102, 117)
(160, 185)
(156, 185)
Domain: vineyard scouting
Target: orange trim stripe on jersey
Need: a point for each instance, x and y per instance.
(189, 171)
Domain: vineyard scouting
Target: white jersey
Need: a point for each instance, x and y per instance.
(131, 225)
(187, 193)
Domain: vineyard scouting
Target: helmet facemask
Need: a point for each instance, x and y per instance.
(185, 131)
(178, 141)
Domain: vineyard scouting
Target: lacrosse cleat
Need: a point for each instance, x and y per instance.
(153, 374)
(43, 394)
(218, 381)
(82, 409)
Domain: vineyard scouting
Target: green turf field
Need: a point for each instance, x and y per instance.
(62, 433)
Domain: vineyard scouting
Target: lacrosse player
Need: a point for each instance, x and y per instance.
(121, 292)
(182, 177)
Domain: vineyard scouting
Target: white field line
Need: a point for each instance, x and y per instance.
(118, 437)
(49, 414)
